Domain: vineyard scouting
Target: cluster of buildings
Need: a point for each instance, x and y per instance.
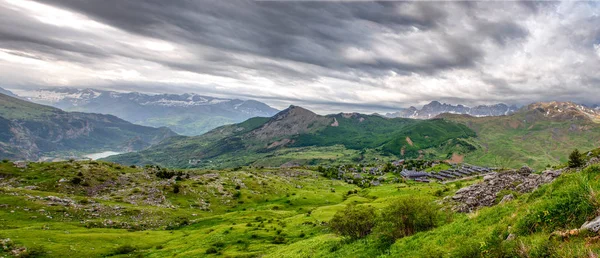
(455, 173)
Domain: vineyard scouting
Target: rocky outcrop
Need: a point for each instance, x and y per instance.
(486, 193)
(593, 225)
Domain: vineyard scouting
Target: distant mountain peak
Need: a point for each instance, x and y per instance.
(290, 121)
(565, 110)
(435, 108)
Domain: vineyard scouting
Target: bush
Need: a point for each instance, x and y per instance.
(125, 249)
(176, 189)
(34, 251)
(211, 250)
(76, 180)
(279, 240)
(406, 217)
(575, 159)
(237, 194)
(354, 221)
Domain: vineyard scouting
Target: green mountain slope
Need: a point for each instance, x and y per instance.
(300, 130)
(28, 131)
(537, 135)
(186, 114)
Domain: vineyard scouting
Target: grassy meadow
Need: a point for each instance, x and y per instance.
(101, 209)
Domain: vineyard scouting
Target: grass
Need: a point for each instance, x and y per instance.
(275, 208)
(527, 138)
(277, 213)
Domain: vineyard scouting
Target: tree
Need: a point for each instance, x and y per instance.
(575, 159)
(406, 217)
(354, 221)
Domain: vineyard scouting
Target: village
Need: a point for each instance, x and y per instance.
(412, 170)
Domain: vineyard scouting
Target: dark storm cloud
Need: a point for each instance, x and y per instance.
(312, 33)
(368, 55)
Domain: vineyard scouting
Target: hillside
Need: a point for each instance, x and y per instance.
(100, 209)
(537, 135)
(30, 131)
(7, 92)
(186, 114)
(300, 136)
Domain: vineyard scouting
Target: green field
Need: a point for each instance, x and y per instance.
(105, 209)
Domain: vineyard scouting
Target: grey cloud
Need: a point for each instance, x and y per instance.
(311, 33)
(298, 43)
(503, 31)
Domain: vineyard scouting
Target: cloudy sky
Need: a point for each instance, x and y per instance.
(327, 56)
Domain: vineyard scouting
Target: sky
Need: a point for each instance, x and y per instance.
(323, 55)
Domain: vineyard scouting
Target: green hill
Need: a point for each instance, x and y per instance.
(100, 209)
(538, 135)
(292, 133)
(29, 131)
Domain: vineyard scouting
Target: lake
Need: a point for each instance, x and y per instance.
(100, 155)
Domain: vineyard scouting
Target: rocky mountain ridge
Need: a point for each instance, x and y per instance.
(435, 108)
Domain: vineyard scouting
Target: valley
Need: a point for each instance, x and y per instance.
(31, 131)
(299, 184)
(186, 114)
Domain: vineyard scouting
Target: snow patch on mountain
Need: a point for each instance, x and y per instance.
(435, 108)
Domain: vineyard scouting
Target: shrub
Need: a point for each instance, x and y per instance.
(354, 221)
(575, 159)
(34, 251)
(279, 240)
(125, 249)
(211, 250)
(237, 194)
(176, 188)
(406, 217)
(76, 180)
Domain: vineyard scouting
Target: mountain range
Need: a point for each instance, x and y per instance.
(435, 108)
(186, 114)
(299, 135)
(31, 131)
(537, 135)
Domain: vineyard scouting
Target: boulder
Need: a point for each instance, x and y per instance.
(507, 198)
(511, 237)
(593, 225)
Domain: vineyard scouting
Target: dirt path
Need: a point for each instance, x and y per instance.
(410, 142)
